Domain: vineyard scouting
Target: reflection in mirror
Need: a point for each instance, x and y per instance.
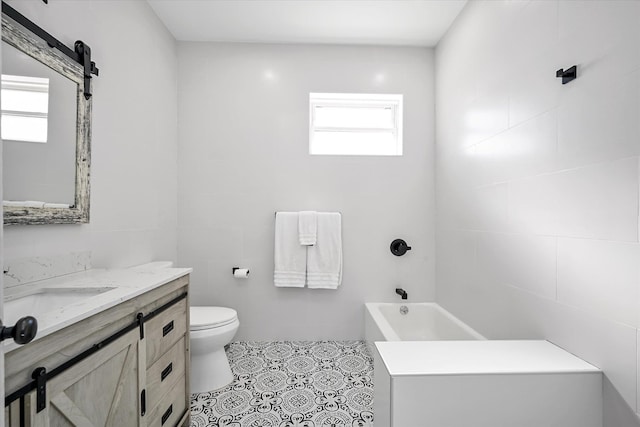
(39, 110)
(25, 108)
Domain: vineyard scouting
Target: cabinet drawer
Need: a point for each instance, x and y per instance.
(162, 375)
(171, 408)
(164, 330)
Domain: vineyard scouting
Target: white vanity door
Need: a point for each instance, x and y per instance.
(101, 390)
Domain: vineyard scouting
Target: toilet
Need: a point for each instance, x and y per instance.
(210, 329)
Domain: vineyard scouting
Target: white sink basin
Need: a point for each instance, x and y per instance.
(47, 300)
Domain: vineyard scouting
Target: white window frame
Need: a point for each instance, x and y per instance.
(26, 84)
(357, 100)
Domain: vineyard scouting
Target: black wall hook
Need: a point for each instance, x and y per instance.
(567, 75)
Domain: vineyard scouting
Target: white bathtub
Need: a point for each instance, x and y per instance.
(424, 358)
(423, 322)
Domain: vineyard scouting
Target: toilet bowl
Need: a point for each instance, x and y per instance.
(210, 329)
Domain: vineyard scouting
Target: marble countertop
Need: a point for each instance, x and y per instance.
(406, 358)
(125, 283)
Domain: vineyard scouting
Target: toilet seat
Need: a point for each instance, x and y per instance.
(210, 317)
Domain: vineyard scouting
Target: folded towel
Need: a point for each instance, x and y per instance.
(307, 228)
(324, 260)
(290, 259)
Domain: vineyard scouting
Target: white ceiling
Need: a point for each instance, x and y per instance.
(374, 22)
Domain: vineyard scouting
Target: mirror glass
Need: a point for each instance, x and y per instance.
(39, 112)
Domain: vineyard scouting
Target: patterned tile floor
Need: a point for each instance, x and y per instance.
(292, 384)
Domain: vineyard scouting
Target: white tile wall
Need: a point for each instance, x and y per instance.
(599, 122)
(527, 262)
(134, 136)
(557, 254)
(600, 277)
(243, 155)
(598, 201)
(532, 91)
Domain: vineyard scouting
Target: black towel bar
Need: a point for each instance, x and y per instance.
(276, 213)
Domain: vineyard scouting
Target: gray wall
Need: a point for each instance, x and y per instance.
(537, 182)
(134, 147)
(243, 154)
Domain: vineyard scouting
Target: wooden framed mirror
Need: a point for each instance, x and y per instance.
(46, 128)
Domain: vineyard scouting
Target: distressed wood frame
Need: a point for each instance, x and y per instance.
(25, 41)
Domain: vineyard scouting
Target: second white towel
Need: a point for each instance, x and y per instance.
(324, 260)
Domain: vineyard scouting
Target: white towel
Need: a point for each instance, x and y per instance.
(307, 228)
(290, 258)
(324, 260)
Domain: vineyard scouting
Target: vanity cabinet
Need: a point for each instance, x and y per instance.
(166, 366)
(138, 378)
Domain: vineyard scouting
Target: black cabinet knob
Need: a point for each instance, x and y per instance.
(23, 332)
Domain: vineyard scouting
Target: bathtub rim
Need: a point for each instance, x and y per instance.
(389, 334)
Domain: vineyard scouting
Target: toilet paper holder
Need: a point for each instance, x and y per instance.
(233, 270)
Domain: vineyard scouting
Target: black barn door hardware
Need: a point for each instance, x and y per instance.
(140, 318)
(81, 53)
(39, 375)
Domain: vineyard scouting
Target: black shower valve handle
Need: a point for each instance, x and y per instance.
(399, 247)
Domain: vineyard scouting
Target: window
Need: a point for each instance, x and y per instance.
(25, 107)
(355, 124)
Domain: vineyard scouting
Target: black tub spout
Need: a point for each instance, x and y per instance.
(402, 293)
